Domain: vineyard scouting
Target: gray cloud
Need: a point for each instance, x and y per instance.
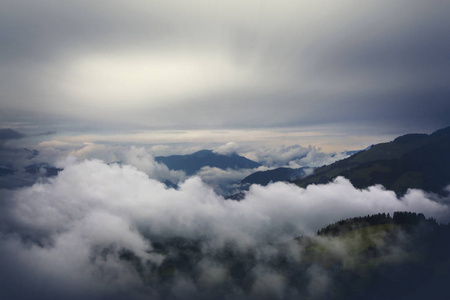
(227, 65)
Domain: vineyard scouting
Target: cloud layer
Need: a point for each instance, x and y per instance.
(226, 64)
(71, 232)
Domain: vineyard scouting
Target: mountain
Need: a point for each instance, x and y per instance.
(279, 174)
(192, 163)
(9, 134)
(411, 161)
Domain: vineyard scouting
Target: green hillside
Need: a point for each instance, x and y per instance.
(379, 257)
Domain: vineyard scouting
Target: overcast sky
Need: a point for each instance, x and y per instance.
(357, 67)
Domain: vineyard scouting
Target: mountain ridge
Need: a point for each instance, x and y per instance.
(410, 161)
(274, 175)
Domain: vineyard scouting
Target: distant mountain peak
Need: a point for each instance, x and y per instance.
(10, 134)
(202, 152)
(192, 163)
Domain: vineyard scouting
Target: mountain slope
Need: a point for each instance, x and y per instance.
(410, 161)
(403, 257)
(192, 163)
(278, 174)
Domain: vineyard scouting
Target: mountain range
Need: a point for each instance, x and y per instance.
(417, 160)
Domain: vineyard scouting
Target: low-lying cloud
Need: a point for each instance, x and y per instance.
(54, 153)
(294, 156)
(71, 232)
(226, 182)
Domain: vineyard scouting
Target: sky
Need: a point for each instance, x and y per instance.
(337, 74)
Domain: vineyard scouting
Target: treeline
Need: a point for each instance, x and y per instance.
(398, 218)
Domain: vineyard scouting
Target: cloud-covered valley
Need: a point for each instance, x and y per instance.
(67, 237)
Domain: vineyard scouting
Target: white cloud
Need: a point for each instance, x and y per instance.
(276, 211)
(62, 153)
(294, 156)
(144, 161)
(315, 158)
(226, 181)
(73, 228)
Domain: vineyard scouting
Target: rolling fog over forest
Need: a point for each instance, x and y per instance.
(224, 150)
